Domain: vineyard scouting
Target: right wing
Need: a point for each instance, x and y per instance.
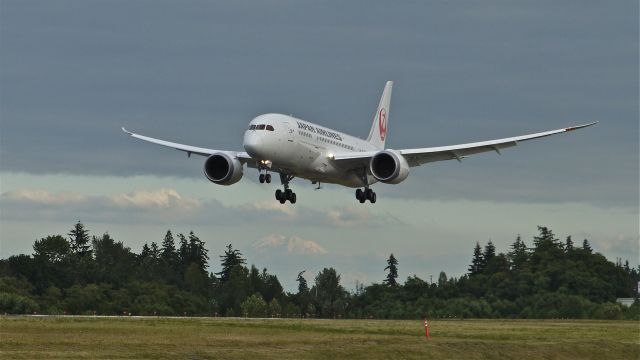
(419, 156)
(243, 156)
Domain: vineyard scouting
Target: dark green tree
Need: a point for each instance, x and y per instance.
(488, 254)
(568, 244)
(329, 295)
(392, 266)
(585, 246)
(79, 240)
(53, 249)
(518, 255)
(231, 259)
(168, 250)
(114, 262)
(302, 283)
(303, 297)
(197, 252)
(442, 279)
(477, 261)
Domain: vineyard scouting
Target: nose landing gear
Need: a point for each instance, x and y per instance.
(265, 178)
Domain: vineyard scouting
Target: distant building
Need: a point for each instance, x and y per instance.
(625, 301)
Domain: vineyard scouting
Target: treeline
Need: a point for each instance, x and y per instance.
(83, 274)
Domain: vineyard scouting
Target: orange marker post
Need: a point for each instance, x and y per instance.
(426, 329)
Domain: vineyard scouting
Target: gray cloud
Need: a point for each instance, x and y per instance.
(167, 205)
(74, 72)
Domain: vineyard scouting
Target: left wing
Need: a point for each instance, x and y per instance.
(416, 157)
(243, 156)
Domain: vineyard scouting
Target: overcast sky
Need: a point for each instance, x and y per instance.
(73, 72)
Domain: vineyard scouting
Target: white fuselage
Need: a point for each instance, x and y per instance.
(303, 149)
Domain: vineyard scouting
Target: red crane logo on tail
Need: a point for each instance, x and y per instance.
(382, 123)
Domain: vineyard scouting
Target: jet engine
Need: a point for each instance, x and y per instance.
(223, 169)
(389, 166)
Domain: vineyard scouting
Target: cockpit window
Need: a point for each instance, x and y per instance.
(252, 127)
(260, 127)
(269, 127)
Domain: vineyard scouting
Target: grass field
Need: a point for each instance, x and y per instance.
(208, 338)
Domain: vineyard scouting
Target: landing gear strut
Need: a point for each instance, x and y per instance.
(287, 194)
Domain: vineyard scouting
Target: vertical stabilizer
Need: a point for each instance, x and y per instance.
(378, 133)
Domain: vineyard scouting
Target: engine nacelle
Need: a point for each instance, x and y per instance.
(389, 167)
(223, 169)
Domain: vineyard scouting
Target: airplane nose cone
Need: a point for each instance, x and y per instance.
(252, 143)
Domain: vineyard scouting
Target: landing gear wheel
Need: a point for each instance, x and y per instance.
(279, 195)
(367, 194)
(373, 197)
(267, 178)
(292, 198)
(261, 178)
(359, 194)
(287, 194)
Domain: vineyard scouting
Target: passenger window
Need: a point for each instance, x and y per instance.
(260, 127)
(252, 127)
(269, 127)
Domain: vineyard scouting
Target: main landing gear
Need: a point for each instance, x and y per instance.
(366, 194)
(287, 194)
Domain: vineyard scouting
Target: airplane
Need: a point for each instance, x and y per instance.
(292, 147)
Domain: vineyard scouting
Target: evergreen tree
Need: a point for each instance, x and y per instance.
(518, 255)
(392, 266)
(303, 287)
(197, 252)
(79, 237)
(568, 245)
(183, 252)
(489, 253)
(303, 297)
(256, 285)
(586, 246)
(545, 239)
(154, 251)
(477, 261)
(442, 279)
(272, 287)
(168, 251)
(232, 258)
(146, 252)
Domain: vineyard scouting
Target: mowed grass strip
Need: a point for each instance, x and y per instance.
(220, 338)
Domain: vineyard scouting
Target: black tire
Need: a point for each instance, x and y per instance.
(292, 198)
(287, 194)
(373, 198)
(267, 178)
(362, 200)
(279, 196)
(261, 178)
(367, 194)
(282, 200)
(359, 193)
